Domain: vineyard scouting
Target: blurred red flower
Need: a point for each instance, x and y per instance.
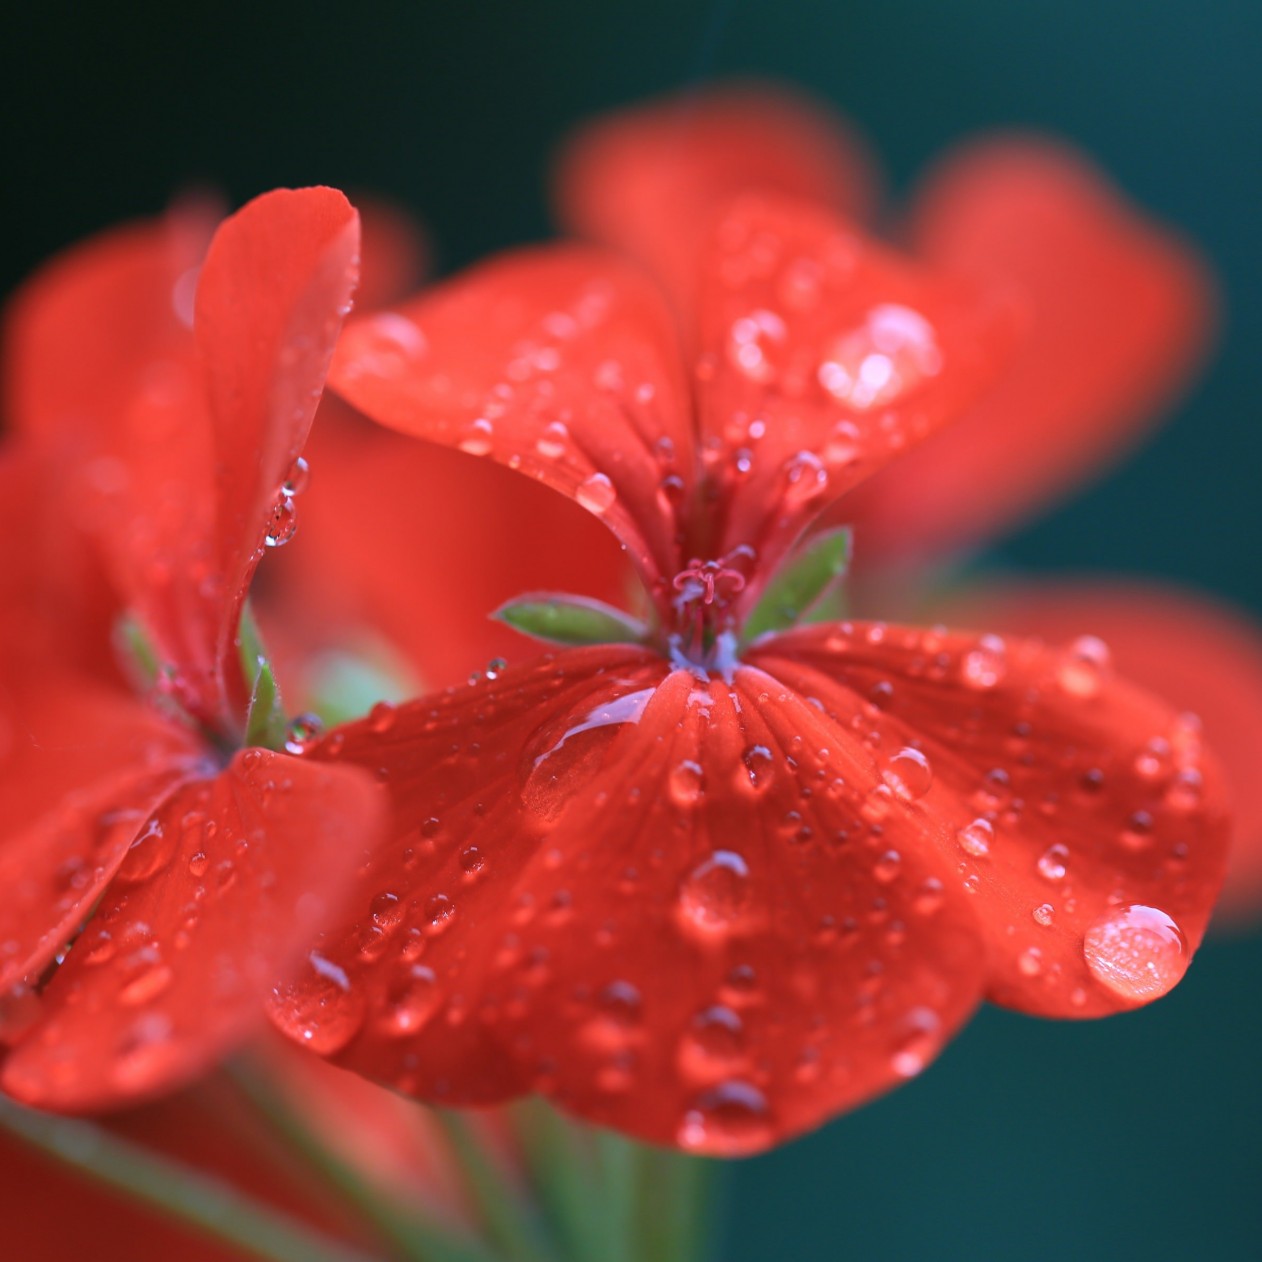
(159, 403)
(716, 882)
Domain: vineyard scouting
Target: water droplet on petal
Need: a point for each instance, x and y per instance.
(985, 666)
(729, 1118)
(712, 1043)
(554, 440)
(1043, 914)
(870, 366)
(283, 523)
(297, 478)
(759, 767)
(751, 344)
(412, 998)
(687, 781)
(1084, 668)
(1137, 952)
(320, 1009)
(596, 494)
(1052, 864)
(909, 774)
(303, 732)
(920, 1035)
(476, 440)
(716, 894)
(976, 838)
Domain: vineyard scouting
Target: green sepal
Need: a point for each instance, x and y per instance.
(265, 719)
(803, 580)
(562, 619)
(135, 648)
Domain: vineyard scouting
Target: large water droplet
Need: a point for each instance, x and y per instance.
(1084, 668)
(976, 838)
(909, 774)
(916, 1042)
(302, 732)
(715, 895)
(985, 666)
(886, 356)
(687, 783)
(596, 494)
(412, 998)
(283, 523)
(1137, 952)
(1053, 862)
(320, 1010)
(729, 1118)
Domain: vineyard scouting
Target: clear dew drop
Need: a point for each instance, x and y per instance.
(320, 1010)
(712, 1044)
(1137, 952)
(1084, 668)
(1043, 914)
(1030, 962)
(554, 441)
(806, 480)
(759, 767)
(976, 838)
(297, 478)
(412, 998)
(687, 783)
(909, 774)
(476, 439)
(715, 895)
(596, 494)
(916, 1043)
(985, 666)
(302, 733)
(731, 1117)
(283, 523)
(1053, 863)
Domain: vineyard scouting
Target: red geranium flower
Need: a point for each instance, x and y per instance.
(1118, 316)
(719, 880)
(159, 411)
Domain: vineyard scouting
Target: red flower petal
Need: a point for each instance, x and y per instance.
(619, 882)
(824, 357)
(417, 545)
(1120, 316)
(1199, 655)
(221, 888)
(652, 180)
(276, 283)
(82, 766)
(174, 443)
(1093, 865)
(560, 362)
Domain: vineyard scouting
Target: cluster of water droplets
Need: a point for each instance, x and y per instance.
(283, 523)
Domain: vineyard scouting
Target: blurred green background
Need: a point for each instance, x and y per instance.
(1134, 1137)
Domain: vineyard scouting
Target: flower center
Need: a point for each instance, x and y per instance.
(704, 592)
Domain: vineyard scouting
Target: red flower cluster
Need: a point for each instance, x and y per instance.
(718, 869)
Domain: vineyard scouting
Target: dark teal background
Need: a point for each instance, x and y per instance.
(1136, 1137)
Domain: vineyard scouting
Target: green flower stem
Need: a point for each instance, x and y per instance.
(564, 1163)
(510, 1221)
(674, 1206)
(174, 1189)
(414, 1237)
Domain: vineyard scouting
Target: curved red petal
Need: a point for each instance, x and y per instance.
(561, 362)
(419, 545)
(1197, 653)
(824, 356)
(81, 767)
(1080, 813)
(275, 286)
(609, 894)
(1120, 319)
(652, 180)
(224, 884)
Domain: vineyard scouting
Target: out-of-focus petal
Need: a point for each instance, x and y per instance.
(617, 892)
(652, 180)
(174, 441)
(215, 898)
(81, 768)
(1197, 653)
(394, 253)
(561, 362)
(1119, 320)
(419, 545)
(1092, 865)
(824, 356)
